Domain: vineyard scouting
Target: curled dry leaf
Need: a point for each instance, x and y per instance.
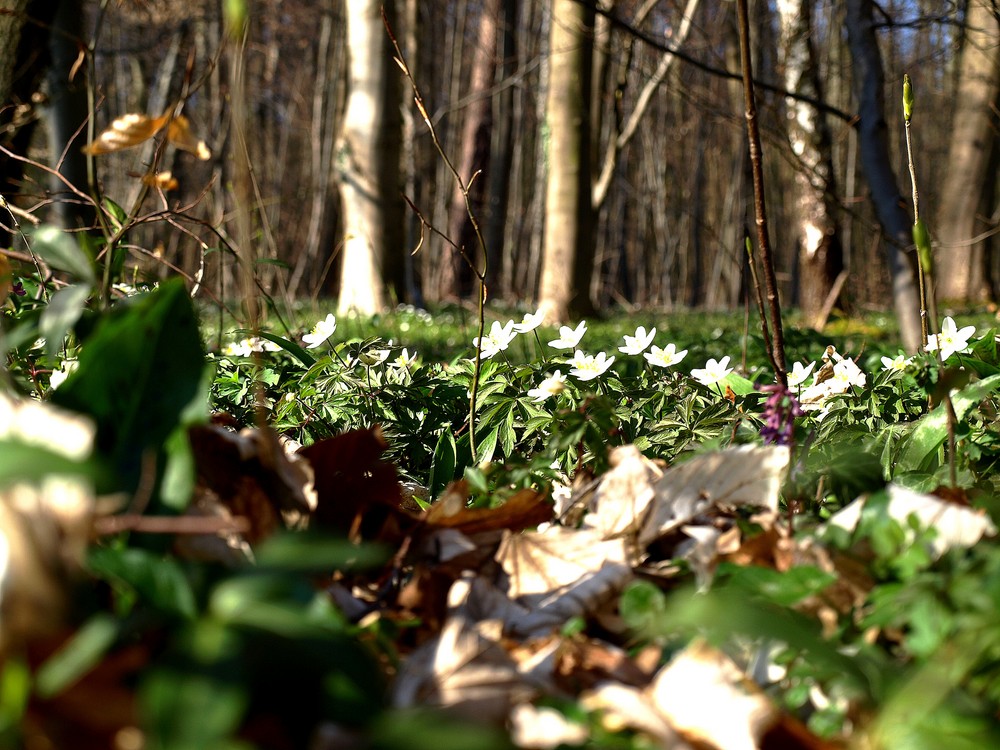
(125, 132)
(180, 135)
(562, 573)
(744, 476)
(622, 499)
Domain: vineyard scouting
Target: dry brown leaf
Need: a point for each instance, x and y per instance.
(544, 727)
(743, 476)
(180, 135)
(161, 180)
(125, 132)
(523, 510)
(622, 499)
(465, 670)
(562, 573)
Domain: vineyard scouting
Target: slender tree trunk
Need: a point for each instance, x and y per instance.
(475, 145)
(873, 143)
(820, 252)
(568, 254)
(973, 132)
(368, 166)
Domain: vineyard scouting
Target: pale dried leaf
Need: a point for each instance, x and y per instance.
(700, 685)
(956, 525)
(562, 573)
(161, 180)
(623, 707)
(466, 670)
(743, 476)
(125, 132)
(544, 727)
(622, 499)
(180, 135)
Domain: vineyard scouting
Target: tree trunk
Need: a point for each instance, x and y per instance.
(873, 142)
(568, 253)
(475, 145)
(368, 166)
(820, 252)
(959, 260)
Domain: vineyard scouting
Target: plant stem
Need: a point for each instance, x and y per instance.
(777, 355)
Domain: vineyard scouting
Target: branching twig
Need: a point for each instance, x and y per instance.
(776, 349)
(464, 187)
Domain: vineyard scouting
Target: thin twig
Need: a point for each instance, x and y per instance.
(464, 186)
(776, 350)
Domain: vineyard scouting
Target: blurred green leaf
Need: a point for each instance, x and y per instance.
(157, 579)
(61, 314)
(316, 552)
(60, 250)
(77, 656)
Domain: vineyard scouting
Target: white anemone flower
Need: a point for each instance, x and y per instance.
(321, 332)
(668, 356)
(529, 322)
(569, 337)
(713, 372)
(496, 340)
(589, 366)
(799, 374)
(553, 385)
(951, 340)
(638, 343)
(404, 361)
(896, 364)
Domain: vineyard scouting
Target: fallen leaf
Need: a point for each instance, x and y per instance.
(180, 135)
(125, 132)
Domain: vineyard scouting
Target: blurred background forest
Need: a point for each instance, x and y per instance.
(607, 138)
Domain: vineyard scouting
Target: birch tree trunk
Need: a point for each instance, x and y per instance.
(568, 252)
(368, 165)
(959, 260)
(873, 144)
(820, 253)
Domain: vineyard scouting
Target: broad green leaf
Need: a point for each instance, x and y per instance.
(138, 371)
(487, 446)
(740, 385)
(15, 691)
(77, 656)
(61, 314)
(61, 251)
(23, 462)
(932, 429)
(158, 580)
(291, 347)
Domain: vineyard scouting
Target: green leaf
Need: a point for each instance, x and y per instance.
(77, 656)
(291, 347)
(487, 446)
(444, 463)
(315, 552)
(60, 315)
(138, 371)
(158, 580)
(932, 429)
(61, 251)
(29, 463)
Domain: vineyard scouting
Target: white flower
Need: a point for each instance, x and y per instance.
(951, 340)
(666, 357)
(588, 366)
(529, 322)
(58, 376)
(372, 357)
(897, 364)
(845, 374)
(551, 386)
(637, 344)
(713, 372)
(321, 332)
(799, 374)
(240, 349)
(569, 337)
(405, 360)
(496, 340)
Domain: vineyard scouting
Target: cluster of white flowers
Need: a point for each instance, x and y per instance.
(248, 346)
(837, 375)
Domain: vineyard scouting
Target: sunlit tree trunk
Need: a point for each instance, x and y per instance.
(568, 252)
(973, 132)
(820, 253)
(873, 144)
(368, 165)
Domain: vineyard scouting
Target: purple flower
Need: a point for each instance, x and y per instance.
(18, 289)
(780, 411)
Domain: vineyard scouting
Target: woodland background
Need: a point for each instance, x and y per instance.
(650, 208)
